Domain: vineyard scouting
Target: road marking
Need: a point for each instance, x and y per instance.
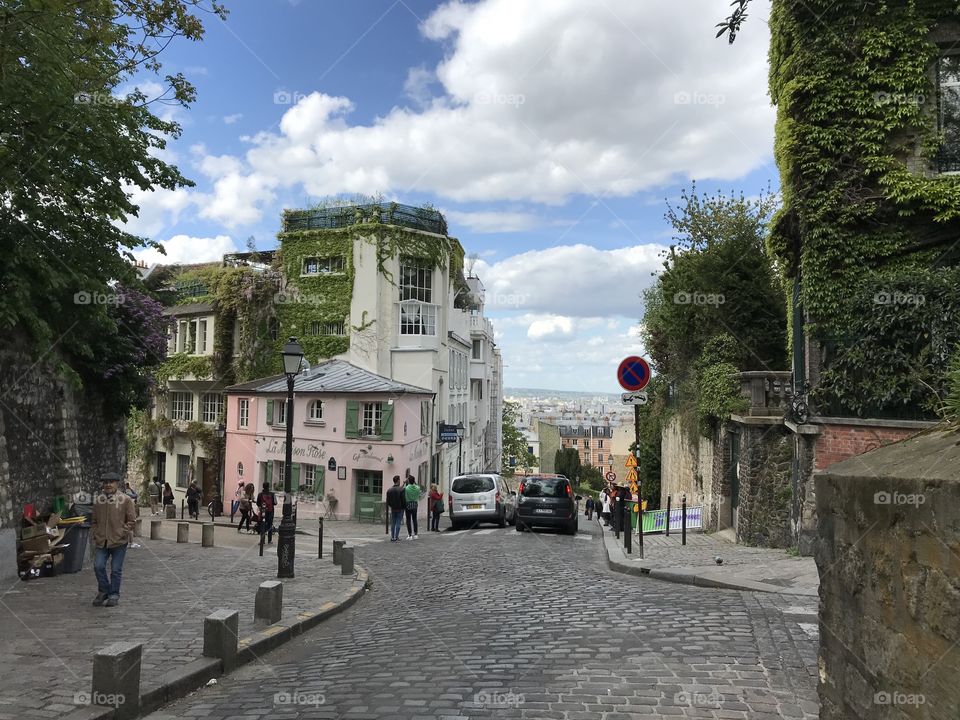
(582, 536)
(485, 532)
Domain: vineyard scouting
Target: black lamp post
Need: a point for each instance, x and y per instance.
(286, 547)
(222, 446)
(460, 452)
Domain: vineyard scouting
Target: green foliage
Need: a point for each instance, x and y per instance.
(718, 394)
(950, 408)
(179, 365)
(567, 463)
(592, 478)
(514, 443)
(855, 138)
(70, 147)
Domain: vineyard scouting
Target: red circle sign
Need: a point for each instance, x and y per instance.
(633, 373)
(611, 476)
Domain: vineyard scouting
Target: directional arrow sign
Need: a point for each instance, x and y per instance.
(634, 398)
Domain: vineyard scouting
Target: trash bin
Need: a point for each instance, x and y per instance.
(77, 539)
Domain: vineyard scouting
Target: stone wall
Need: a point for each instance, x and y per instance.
(686, 468)
(54, 439)
(889, 562)
(766, 486)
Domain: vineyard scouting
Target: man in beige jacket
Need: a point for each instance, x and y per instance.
(114, 519)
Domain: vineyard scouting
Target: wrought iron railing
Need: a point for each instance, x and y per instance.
(391, 214)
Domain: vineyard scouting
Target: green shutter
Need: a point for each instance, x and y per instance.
(269, 472)
(386, 421)
(318, 480)
(295, 477)
(351, 428)
(269, 412)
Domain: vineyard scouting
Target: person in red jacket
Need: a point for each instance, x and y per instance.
(436, 508)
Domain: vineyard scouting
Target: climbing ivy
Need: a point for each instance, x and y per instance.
(179, 365)
(856, 136)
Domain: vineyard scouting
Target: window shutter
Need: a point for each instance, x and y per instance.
(424, 417)
(318, 480)
(351, 428)
(386, 421)
(269, 412)
(295, 476)
(268, 473)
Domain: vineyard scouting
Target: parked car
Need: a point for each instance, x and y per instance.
(476, 498)
(547, 501)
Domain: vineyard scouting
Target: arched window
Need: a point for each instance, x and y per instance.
(239, 469)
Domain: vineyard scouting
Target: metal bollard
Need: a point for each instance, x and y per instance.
(320, 541)
(183, 532)
(668, 516)
(155, 526)
(338, 550)
(640, 529)
(628, 528)
(346, 561)
(206, 535)
(683, 521)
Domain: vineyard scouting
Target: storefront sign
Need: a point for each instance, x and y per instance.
(448, 433)
(310, 451)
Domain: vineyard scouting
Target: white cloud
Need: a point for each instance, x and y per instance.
(417, 85)
(186, 249)
(231, 119)
(237, 199)
(551, 328)
(493, 221)
(538, 102)
(158, 209)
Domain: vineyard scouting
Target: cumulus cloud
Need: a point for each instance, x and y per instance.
(158, 209)
(493, 221)
(231, 119)
(551, 328)
(187, 249)
(535, 102)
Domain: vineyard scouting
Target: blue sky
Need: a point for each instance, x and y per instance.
(549, 133)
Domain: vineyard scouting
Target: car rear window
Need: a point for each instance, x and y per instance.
(472, 485)
(545, 487)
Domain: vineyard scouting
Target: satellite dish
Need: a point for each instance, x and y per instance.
(305, 366)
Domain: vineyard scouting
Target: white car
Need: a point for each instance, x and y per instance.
(479, 497)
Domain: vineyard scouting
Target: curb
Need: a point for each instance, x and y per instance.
(693, 577)
(216, 523)
(182, 681)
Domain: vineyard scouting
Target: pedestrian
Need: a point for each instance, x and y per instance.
(606, 508)
(589, 507)
(266, 501)
(411, 494)
(397, 502)
(237, 498)
(193, 500)
(436, 508)
(167, 494)
(245, 506)
(154, 492)
(114, 518)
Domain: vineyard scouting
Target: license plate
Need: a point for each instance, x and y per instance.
(474, 507)
(543, 510)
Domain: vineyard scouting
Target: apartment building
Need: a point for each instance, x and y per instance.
(593, 443)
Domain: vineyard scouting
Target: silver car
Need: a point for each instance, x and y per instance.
(479, 497)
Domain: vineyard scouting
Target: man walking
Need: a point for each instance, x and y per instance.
(411, 494)
(266, 501)
(114, 518)
(397, 502)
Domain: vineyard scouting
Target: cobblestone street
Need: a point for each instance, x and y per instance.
(495, 623)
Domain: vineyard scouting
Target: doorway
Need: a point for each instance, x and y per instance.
(368, 492)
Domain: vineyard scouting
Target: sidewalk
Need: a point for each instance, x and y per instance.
(743, 568)
(50, 630)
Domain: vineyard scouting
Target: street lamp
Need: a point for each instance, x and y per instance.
(460, 451)
(222, 447)
(286, 548)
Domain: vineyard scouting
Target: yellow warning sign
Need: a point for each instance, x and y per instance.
(631, 475)
(631, 461)
(634, 488)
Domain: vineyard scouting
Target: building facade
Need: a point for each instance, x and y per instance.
(594, 443)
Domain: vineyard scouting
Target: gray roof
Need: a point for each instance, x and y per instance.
(189, 309)
(332, 376)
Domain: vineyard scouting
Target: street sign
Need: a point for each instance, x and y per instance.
(631, 462)
(611, 476)
(633, 373)
(634, 398)
(632, 475)
(448, 433)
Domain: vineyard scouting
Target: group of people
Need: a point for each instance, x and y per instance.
(404, 501)
(158, 495)
(248, 507)
(604, 505)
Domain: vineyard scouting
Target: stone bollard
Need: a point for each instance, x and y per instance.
(337, 550)
(220, 637)
(116, 679)
(155, 526)
(206, 535)
(346, 561)
(170, 513)
(268, 605)
(183, 532)
(138, 527)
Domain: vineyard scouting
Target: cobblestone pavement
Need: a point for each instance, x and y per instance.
(496, 623)
(50, 630)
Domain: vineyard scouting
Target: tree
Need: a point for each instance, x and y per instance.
(73, 144)
(592, 477)
(567, 463)
(515, 446)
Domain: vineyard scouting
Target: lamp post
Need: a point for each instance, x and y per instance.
(222, 446)
(460, 451)
(286, 546)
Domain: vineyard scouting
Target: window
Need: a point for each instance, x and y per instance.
(244, 419)
(369, 482)
(599, 443)
(202, 338)
(417, 318)
(316, 410)
(212, 407)
(416, 280)
(183, 470)
(181, 406)
(586, 444)
(323, 265)
(545, 487)
(472, 484)
(309, 475)
(599, 458)
(280, 412)
(281, 469)
(327, 328)
(370, 419)
(948, 112)
(575, 442)
(240, 469)
(477, 350)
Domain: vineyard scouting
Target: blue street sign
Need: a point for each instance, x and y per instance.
(633, 373)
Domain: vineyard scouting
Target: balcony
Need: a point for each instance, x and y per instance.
(767, 392)
(390, 214)
(481, 325)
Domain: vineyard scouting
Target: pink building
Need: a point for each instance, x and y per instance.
(353, 431)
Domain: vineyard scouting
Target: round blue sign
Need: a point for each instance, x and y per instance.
(633, 373)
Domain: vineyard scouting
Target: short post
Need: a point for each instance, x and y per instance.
(138, 527)
(338, 550)
(668, 516)
(170, 512)
(183, 504)
(206, 535)
(155, 526)
(683, 520)
(268, 604)
(346, 561)
(220, 637)
(116, 679)
(183, 532)
(628, 528)
(262, 538)
(616, 517)
(640, 527)
(320, 541)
